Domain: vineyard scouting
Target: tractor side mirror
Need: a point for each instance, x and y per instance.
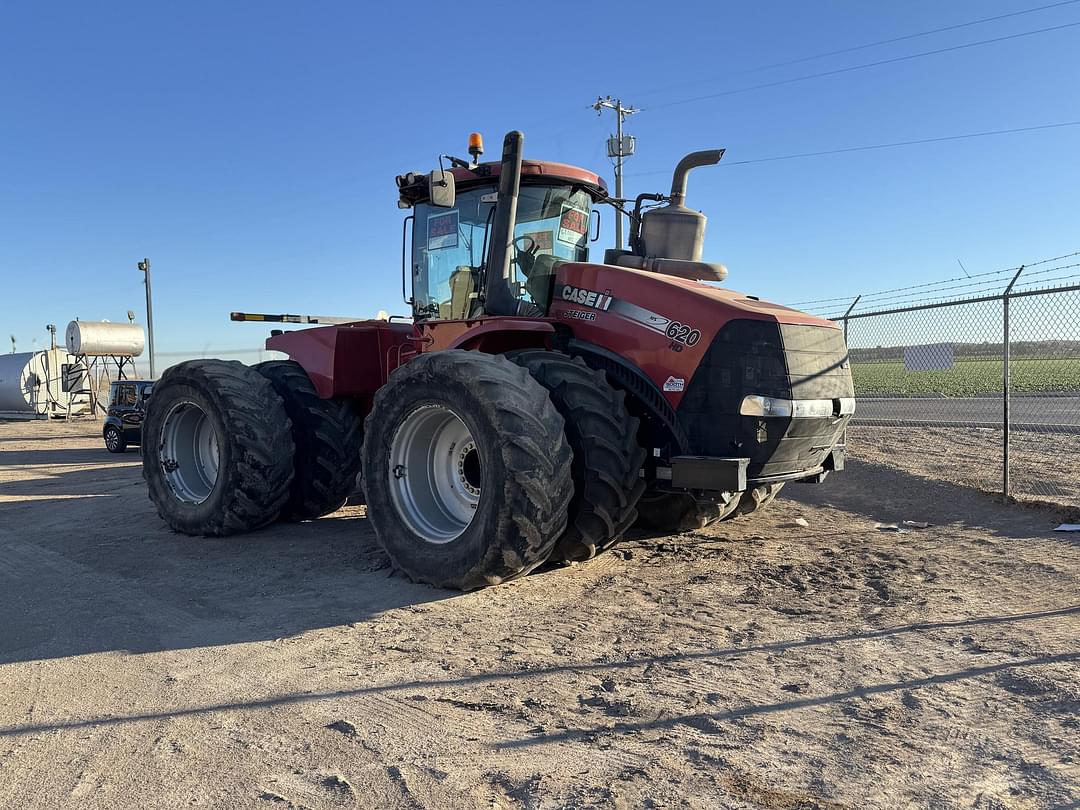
(441, 191)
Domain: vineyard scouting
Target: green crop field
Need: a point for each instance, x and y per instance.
(967, 378)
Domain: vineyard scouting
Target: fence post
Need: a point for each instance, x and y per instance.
(853, 303)
(1006, 386)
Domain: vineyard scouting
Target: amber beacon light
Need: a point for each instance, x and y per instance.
(476, 145)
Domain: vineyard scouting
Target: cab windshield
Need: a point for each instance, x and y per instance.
(450, 246)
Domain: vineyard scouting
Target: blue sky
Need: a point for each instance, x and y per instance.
(249, 149)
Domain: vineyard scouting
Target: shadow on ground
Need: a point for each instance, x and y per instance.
(888, 495)
(87, 566)
(703, 721)
(66, 455)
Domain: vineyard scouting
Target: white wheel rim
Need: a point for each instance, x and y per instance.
(189, 452)
(435, 473)
(112, 439)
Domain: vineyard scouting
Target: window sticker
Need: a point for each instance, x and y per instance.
(573, 225)
(541, 239)
(442, 230)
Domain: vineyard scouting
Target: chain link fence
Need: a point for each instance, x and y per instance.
(991, 383)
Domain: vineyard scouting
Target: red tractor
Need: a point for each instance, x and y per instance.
(534, 407)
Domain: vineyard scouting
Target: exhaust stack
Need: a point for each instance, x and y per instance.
(499, 299)
(675, 231)
(706, 157)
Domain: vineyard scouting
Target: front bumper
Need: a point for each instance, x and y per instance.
(715, 474)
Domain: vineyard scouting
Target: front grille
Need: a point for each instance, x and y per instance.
(789, 361)
(817, 362)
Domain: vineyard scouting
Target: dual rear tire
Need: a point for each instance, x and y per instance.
(466, 470)
(217, 448)
(543, 432)
(228, 448)
(607, 457)
(327, 435)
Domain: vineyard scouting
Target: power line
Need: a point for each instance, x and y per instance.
(850, 68)
(875, 44)
(870, 147)
(940, 139)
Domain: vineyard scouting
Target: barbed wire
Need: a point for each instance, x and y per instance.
(1057, 281)
(1030, 286)
(868, 296)
(986, 283)
(874, 295)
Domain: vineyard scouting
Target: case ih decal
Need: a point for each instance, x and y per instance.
(588, 298)
(680, 334)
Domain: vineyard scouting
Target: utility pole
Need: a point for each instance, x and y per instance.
(144, 265)
(618, 147)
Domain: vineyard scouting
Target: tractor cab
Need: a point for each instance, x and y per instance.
(464, 263)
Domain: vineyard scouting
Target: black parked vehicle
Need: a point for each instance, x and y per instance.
(127, 406)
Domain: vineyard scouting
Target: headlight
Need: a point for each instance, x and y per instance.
(754, 405)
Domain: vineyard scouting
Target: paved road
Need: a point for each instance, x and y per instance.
(1028, 412)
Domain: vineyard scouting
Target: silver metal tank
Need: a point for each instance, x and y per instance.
(100, 338)
(32, 384)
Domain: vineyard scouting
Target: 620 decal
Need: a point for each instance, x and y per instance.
(683, 333)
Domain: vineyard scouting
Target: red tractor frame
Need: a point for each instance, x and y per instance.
(534, 407)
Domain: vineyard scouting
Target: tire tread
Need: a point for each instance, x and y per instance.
(327, 434)
(261, 472)
(608, 458)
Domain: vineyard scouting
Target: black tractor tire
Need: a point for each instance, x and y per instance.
(757, 498)
(678, 512)
(524, 477)
(253, 440)
(607, 457)
(114, 439)
(327, 434)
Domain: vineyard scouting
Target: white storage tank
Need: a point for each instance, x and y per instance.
(32, 384)
(100, 338)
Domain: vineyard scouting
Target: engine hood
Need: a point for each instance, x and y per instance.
(660, 292)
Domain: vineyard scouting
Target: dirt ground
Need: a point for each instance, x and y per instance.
(757, 664)
(1043, 465)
